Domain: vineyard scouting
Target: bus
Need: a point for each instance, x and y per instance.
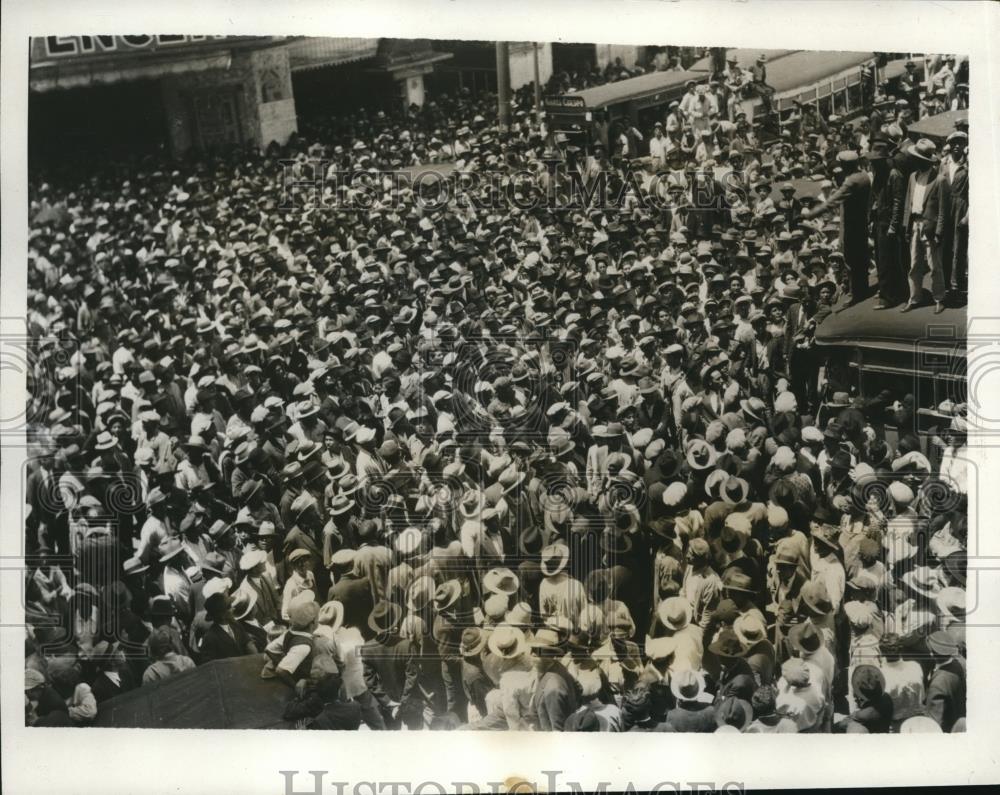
(745, 58)
(834, 82)
(641, 101)
(863, 351)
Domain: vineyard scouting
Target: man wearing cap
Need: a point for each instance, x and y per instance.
(289, 655)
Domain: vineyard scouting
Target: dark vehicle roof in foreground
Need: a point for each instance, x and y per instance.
(939, 126)
(862, 326)
(222, 694)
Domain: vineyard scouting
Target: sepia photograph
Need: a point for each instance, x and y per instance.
(486, 385)
(383, 384)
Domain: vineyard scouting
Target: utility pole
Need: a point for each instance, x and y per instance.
(538, 89)
(503, 84)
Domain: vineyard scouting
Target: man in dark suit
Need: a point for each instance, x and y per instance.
(390, 668)
(557, 696)
(888, 253)
(224, 636)
(693, 710)
(304, 534)
(945, 701)
(352, 590)
(46, 525)
(955, 239)
(854, 198)
(735, 675)
(475, 679)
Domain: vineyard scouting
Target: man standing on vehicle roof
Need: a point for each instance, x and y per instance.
(854, 198)
(759, 74)
(688, 102)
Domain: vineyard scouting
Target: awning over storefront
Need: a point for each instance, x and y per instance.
(316, 53)
(99, 75)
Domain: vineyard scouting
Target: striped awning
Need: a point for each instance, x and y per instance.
(317, 52)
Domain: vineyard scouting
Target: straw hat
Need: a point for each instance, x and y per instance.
(507, 642)
(555, 558)
(331, 614)
(675, 613)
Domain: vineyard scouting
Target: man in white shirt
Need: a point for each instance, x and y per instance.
(174, 581)
(904, 680)
(687, 101)
(800, 698)
(156, 529)
(659, 148)
(953, 459)
(559, 594)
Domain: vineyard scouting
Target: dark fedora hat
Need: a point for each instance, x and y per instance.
(805, 637)
(384, 617)
(880, 149)
(736, 580)
(726, 644)
(815, 597)
(616, 543)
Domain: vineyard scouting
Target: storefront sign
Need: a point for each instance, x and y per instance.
(49, 48)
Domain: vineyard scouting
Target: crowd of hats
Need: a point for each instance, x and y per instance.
(569, 435)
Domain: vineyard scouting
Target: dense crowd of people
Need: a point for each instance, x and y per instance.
(497, 464)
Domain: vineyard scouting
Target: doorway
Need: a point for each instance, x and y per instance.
(218, 117)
